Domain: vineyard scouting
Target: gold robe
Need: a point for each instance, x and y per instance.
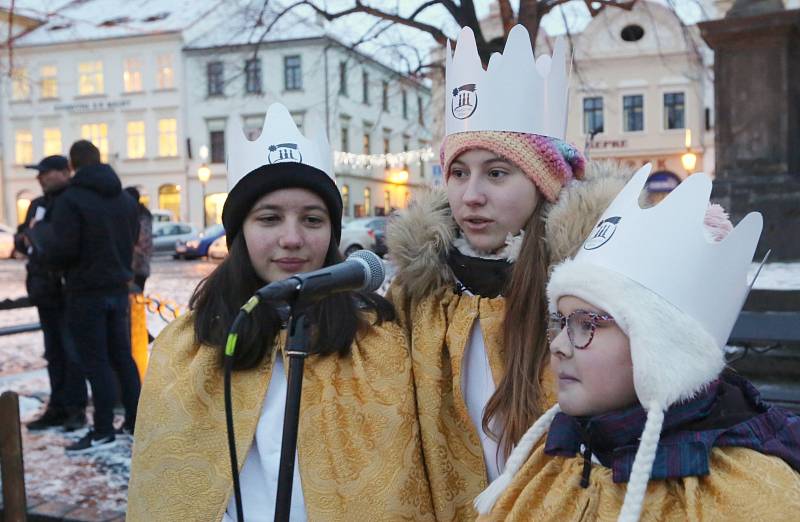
(358, 445)
(743, 485)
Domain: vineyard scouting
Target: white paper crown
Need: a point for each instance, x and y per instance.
(664, 248)
(516, 93)
(280, 141)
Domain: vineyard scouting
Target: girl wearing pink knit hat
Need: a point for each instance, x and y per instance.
(472, 264)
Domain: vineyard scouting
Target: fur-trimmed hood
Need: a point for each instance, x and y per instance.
(421, 236)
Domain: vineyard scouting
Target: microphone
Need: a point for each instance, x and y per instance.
(362, 270)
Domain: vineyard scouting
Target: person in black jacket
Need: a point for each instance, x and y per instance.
(90, 233)
(68, 395)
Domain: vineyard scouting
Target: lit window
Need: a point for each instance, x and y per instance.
(23, 147)
(97, 133)
(169, 198)
(136, 140)
(168, 137)
(367, 202)
(387, 201)
(132, 76)
(20, 87)
(24, 199)
(346, 200)
(164, 78)
(90, 78)
(52, 141)
(49, 78)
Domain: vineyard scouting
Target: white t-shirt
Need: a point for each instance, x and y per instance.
(259, 477)
(477, 386)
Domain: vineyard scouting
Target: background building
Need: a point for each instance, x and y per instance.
(153, 87)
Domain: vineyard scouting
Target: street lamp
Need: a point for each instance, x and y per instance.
(689, 158)
(204, 174)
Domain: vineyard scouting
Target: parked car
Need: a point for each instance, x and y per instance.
(218, 249)
(6, 242)
(160, 216)
(364, 234)
(166, 234)
(197, 246)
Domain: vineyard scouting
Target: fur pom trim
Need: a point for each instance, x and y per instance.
(580, 205)
(673, 356)
(418, 241)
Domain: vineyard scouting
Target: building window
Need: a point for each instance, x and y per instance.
(592, 115)
(217, 140)
(365, 87)
(20, 86)
(168, 137)
(169, 198)
(214, 204)
(367, 202)
(90, 78)
(387, 138)
(674, 109)
(366, 140)
(252, 73)
(343, 78)
(345, 133)
(406, 145)
(252, 126)
(423, 145)
(136, 143)
(23, 147)
(633, 113)
(405, 104)
(52, 141)
(164, 74)
(24, 199)
(132, 75)
(385, 96)
(387, 202)
(97, 133)
(420, 115)
(292, 73)
(215, 76)
(49, 78)
(346, 200)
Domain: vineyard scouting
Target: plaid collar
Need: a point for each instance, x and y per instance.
(682, 451)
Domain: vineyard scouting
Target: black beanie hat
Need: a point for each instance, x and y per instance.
(276, 176)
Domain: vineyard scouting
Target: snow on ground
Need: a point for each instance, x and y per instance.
(99, 480)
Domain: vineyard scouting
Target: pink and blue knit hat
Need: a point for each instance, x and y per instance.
(549, 162)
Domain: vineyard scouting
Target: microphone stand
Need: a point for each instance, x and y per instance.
(297, 350)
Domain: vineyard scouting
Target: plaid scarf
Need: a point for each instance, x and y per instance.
(729, 412)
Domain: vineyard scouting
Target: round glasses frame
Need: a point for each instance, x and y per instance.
(557, 322)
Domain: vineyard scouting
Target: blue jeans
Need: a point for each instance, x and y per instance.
(67, 380)
(100, 327)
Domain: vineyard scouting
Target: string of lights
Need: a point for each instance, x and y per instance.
(390, 160)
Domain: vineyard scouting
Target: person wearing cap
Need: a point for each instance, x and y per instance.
(472, 263)
(358, 452)
(68, 396)
(649, 424)
(89, 234)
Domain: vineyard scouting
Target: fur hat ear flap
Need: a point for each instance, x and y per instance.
(642, 465)
(486, 500)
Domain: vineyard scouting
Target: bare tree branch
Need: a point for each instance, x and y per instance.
(506, 16)
(595, 7)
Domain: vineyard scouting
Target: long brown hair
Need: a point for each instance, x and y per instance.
(516, 403)
(335, 320)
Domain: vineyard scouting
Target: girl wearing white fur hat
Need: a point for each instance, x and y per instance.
(472, 264)
(648, 425)
(358, 451)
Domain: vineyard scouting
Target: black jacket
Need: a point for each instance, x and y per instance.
(42, 283)
(90, 233)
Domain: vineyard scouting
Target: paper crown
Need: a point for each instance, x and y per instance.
(665, 249)
(280, 141)
(516, 93)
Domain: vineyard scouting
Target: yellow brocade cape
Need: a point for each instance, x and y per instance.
(743, 485)
(358, 445)
(439, 326)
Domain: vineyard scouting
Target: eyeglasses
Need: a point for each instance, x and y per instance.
(580, 325)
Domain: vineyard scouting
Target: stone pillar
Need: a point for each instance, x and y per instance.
(757, 134)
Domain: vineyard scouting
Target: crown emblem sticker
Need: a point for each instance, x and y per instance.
(464, 101)
(602, 233)
(283, 152)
